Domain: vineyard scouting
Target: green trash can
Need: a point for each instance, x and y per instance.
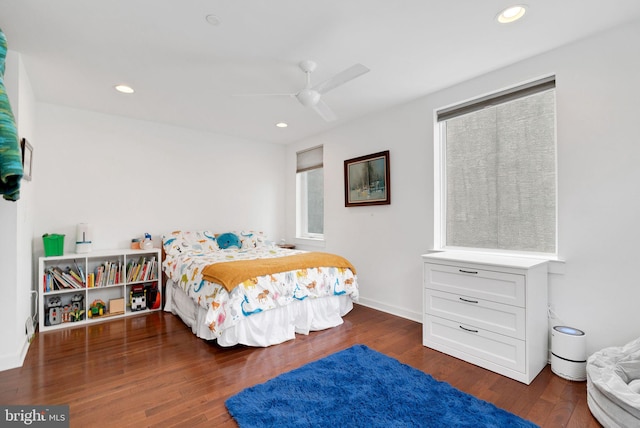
(53, 244)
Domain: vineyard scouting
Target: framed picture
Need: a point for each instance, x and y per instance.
(27, 158)
(366, 180)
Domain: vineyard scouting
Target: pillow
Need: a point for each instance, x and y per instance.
(197, 242)
(250, 239)
(228, 240)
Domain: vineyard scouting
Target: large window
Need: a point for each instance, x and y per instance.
(497, 172)
(310, 194)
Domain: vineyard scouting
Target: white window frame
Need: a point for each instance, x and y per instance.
(440, 189)
(302, 205)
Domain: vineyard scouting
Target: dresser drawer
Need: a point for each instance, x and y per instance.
(488, 285)
(495, 317)
(464, 340)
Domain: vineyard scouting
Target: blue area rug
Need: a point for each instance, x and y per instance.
(359, 387)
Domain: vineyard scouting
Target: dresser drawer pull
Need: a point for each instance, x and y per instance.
(467, 271)
(467, 300)
(469, 330)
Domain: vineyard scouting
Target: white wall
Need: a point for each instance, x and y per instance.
(384, 242)
(126, 177)
(15, 229)
(598, 188)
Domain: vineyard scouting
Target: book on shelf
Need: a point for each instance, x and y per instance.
(80, 271)
(139, 266)
(58, 279)
(108, 273)
(146, 270)
(71, 280)
(98, 272)
(76, 277)
(142, 270)
(148, 275)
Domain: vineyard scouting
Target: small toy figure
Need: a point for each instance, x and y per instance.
(55, 316)
(66, 313)
(76, 302)
(96, 309)
(138, 297)
(77, 307)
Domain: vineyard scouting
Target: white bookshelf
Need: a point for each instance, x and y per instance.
(58, 298)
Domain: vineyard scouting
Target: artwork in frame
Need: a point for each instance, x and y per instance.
(366, 180)
(27, 158)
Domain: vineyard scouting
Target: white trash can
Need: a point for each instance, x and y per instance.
(569, 353)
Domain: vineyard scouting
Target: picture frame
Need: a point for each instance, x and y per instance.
(27, 159)
(367, 180)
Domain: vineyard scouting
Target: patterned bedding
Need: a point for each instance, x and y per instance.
(187, 253)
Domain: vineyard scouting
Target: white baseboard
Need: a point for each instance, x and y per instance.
(9, 361)
(393, 310)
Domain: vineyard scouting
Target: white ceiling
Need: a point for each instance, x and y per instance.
(185, 71)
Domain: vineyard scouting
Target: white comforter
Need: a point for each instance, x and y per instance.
(226, 309)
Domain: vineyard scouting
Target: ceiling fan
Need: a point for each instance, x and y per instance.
(311, 96)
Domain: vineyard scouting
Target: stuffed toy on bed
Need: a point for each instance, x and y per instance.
(10, 155)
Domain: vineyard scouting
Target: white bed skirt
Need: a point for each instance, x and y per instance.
(264, 328)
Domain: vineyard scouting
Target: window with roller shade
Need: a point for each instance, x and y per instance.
(497, 178)
(310, 194)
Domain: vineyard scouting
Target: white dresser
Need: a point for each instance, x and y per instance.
(488, 310)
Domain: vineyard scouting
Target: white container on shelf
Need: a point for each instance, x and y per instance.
(83, 238)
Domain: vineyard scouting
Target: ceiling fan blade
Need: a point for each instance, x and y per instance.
(324, 111)
(266, 95)
(341, 78)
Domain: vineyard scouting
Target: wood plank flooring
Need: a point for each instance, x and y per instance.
(150, 370)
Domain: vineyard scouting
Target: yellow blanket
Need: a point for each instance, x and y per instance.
(231, 274)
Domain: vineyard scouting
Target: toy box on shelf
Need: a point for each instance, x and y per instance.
(75, 288)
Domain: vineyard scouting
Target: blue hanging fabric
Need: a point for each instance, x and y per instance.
(10, 154)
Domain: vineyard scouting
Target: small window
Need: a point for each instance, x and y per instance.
(310, 194)
(496, 184)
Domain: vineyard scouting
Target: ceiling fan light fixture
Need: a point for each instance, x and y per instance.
(311, 96)
(308, 97)
(511, 14)
(125, 89)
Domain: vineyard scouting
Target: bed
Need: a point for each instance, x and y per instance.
(239, 288)
(613, 385)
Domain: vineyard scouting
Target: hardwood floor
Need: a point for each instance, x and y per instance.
(150, 370)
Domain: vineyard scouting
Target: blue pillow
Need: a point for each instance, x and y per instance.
(228, 240)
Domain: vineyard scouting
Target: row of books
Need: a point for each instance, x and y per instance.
(59, 279)
(142, 270)
(108, 273)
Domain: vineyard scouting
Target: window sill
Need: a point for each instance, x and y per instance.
(310, 242)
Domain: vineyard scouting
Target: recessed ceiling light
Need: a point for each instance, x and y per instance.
(511, 14)
(124, 89)
(281, 125)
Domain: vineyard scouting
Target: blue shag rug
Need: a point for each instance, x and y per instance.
(359, 387)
